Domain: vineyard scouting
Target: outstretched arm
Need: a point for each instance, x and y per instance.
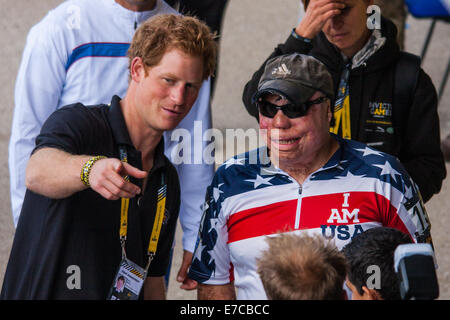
(56, 174)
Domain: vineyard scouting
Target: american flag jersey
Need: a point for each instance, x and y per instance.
(249, 199)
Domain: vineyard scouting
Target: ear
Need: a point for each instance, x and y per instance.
(137, 69)
(371, 294)
(329, 113)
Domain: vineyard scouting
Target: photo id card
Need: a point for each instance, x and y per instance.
(128, 281)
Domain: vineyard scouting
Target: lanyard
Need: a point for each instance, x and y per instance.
(159, 217)
(342, 106)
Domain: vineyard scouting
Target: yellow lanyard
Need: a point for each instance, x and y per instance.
(342, 119)
(159, 217)
(342, 106)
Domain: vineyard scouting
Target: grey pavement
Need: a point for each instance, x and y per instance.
(252, 28)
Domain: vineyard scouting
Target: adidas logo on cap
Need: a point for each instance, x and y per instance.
(281, 71)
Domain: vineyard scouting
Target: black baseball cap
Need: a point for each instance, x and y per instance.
(296, 77)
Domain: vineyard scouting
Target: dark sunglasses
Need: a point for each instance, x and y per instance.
(291, 110)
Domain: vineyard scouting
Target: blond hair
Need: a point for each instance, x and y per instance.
(165, 32)
(302, 267)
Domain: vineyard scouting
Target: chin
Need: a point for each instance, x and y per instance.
(283, 156)
(169, 125)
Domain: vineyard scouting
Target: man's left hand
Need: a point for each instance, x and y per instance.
(186, 283)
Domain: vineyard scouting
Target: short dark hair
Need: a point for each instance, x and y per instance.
(375, 246)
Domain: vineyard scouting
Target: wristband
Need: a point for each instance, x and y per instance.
(296, 36)
(86, 169)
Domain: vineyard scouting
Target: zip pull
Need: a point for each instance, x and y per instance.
(299, 208)
(135, 24)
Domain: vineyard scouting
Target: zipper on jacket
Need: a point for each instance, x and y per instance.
(299, 207)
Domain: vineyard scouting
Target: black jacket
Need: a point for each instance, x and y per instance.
(415, 139)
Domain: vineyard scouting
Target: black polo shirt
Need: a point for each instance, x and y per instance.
(58, 240)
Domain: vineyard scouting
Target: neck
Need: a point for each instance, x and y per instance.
(300, 170)
(139, 6)
(144, 138)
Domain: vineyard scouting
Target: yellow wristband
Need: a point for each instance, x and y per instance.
(86, 169)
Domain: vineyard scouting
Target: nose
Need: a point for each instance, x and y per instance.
(178, 94)
(280, 120)
(337, 22)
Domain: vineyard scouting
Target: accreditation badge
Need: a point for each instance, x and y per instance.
(128, 281)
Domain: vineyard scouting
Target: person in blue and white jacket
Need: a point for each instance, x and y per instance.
(78, 53)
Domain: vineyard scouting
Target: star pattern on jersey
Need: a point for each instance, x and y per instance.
(340, 165)
(204, 206)
(386, 169)
(199, 251)
(348, 175)
(213, 225)
(408, 191)
(234, 161)
(260, 181)
(203, 260)
(213, 256)
(367, 151)
(269, 171)
(355, 162)
(217, 192)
